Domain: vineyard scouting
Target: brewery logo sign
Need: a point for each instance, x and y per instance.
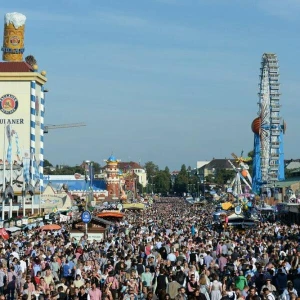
(8, 104)
(15, 40)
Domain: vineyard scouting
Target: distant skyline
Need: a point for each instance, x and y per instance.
(168, 81)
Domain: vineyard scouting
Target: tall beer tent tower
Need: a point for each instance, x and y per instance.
(22, 107)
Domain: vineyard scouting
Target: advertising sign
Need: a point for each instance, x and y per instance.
(14, 131)
(91, 236)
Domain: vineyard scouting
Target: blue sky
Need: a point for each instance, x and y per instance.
(172, 81)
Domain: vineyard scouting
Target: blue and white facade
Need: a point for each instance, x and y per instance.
(22, 110)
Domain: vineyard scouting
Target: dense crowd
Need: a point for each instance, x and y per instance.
(168, 251)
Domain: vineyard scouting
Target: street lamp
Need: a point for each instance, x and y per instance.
(203, 181)
(198, 192)
(90, 194)
(152, 182)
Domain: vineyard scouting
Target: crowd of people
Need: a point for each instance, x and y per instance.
(167, 251)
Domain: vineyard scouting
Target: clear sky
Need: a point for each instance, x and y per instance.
(172, 81)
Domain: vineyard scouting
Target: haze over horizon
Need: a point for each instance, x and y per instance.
(168, 81)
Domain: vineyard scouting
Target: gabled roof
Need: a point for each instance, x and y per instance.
(220, 163)
(293, 165)
(129, 165)
(18, 66)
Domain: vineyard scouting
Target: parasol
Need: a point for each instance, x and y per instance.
(51, 227)
(4, 234)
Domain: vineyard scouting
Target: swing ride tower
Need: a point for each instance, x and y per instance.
(268, 128)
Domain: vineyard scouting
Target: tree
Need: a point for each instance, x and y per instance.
(151, 170)
(96, 167)
(288, 173)
(181, 181)
(162, 182)
(47, 163)
(224, 175)
(210, 178)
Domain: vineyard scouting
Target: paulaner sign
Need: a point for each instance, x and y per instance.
(12, 121)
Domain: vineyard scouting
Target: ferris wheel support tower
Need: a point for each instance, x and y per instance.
(268, 128)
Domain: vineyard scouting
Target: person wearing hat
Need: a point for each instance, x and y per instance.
(271, 288)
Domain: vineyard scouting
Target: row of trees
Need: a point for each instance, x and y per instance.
(186, 181)
(49, 169)
(161, 180)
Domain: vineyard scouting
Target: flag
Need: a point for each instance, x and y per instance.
(26, 166)
(9, 149)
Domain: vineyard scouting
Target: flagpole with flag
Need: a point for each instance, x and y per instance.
(11, 169)
(4, 167)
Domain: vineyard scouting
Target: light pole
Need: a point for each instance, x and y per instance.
(203, 181)
(152, 183)
(88, 195)
(198, 192)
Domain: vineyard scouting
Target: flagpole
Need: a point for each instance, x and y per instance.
(4, 167)
(11, 169)
(31, 180)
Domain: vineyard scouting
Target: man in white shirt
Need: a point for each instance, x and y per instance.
(15, 254)
(171, 257)
(23, 265)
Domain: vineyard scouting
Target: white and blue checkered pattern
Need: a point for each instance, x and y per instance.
(9, 153)
(17, 145)
(26, 169)
(32, 129)
(42, 110)
(9, 148)
(36, 175)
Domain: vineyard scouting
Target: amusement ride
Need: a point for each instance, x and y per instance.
(268, 128)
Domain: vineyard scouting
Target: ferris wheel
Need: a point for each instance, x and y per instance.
(268, 128)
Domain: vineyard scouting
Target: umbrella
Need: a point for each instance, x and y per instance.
(51, 227)
(4, 234)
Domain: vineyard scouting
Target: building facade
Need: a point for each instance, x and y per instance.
(22, 108)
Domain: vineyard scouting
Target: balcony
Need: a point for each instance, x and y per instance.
(274, 87)
(275, 145)
(275, 158)
(275, 104)
(275, 109)
(275, 96)
(275, 120)
(274, 168)
(273, 175)
(275, 132)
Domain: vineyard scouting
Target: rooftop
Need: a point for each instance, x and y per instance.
(15, 67)
(220, 163)
(287, 182)
(126, 166)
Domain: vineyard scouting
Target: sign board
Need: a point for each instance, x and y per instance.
(17, 115)
(91, 236)
(86, 217)
(238, 210)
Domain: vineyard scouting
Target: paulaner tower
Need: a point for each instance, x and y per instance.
(22, 107)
